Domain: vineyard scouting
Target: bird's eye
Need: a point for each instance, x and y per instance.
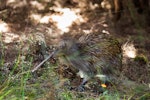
(62, 45)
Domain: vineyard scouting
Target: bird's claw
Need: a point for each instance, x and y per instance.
(80, 88)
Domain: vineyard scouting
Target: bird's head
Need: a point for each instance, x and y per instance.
(67, 47)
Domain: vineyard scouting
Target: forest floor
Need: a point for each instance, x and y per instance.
(25, 29)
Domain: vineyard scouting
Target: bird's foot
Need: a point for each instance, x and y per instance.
(80, 88)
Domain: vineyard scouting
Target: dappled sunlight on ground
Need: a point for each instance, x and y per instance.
(37, 5)
(36, 17)
(63, 18)
(66, 19)
(16, 3)
(105, 31)
(10, 1)
(10, 37)
(45, 19)
(4, 27)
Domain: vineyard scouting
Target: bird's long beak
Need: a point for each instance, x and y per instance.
(52, 54)
(55, 52)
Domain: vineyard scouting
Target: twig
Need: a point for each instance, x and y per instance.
(44, 61)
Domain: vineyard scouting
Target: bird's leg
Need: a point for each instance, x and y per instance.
(81, 86)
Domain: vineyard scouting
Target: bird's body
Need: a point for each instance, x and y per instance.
(93, 55)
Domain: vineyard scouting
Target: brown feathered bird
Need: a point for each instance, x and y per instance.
(93, 55)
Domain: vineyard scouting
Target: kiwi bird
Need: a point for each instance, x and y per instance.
(93, 55)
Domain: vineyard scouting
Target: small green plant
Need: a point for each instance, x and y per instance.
(141, 59)
(1, 51)
(67, 96)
